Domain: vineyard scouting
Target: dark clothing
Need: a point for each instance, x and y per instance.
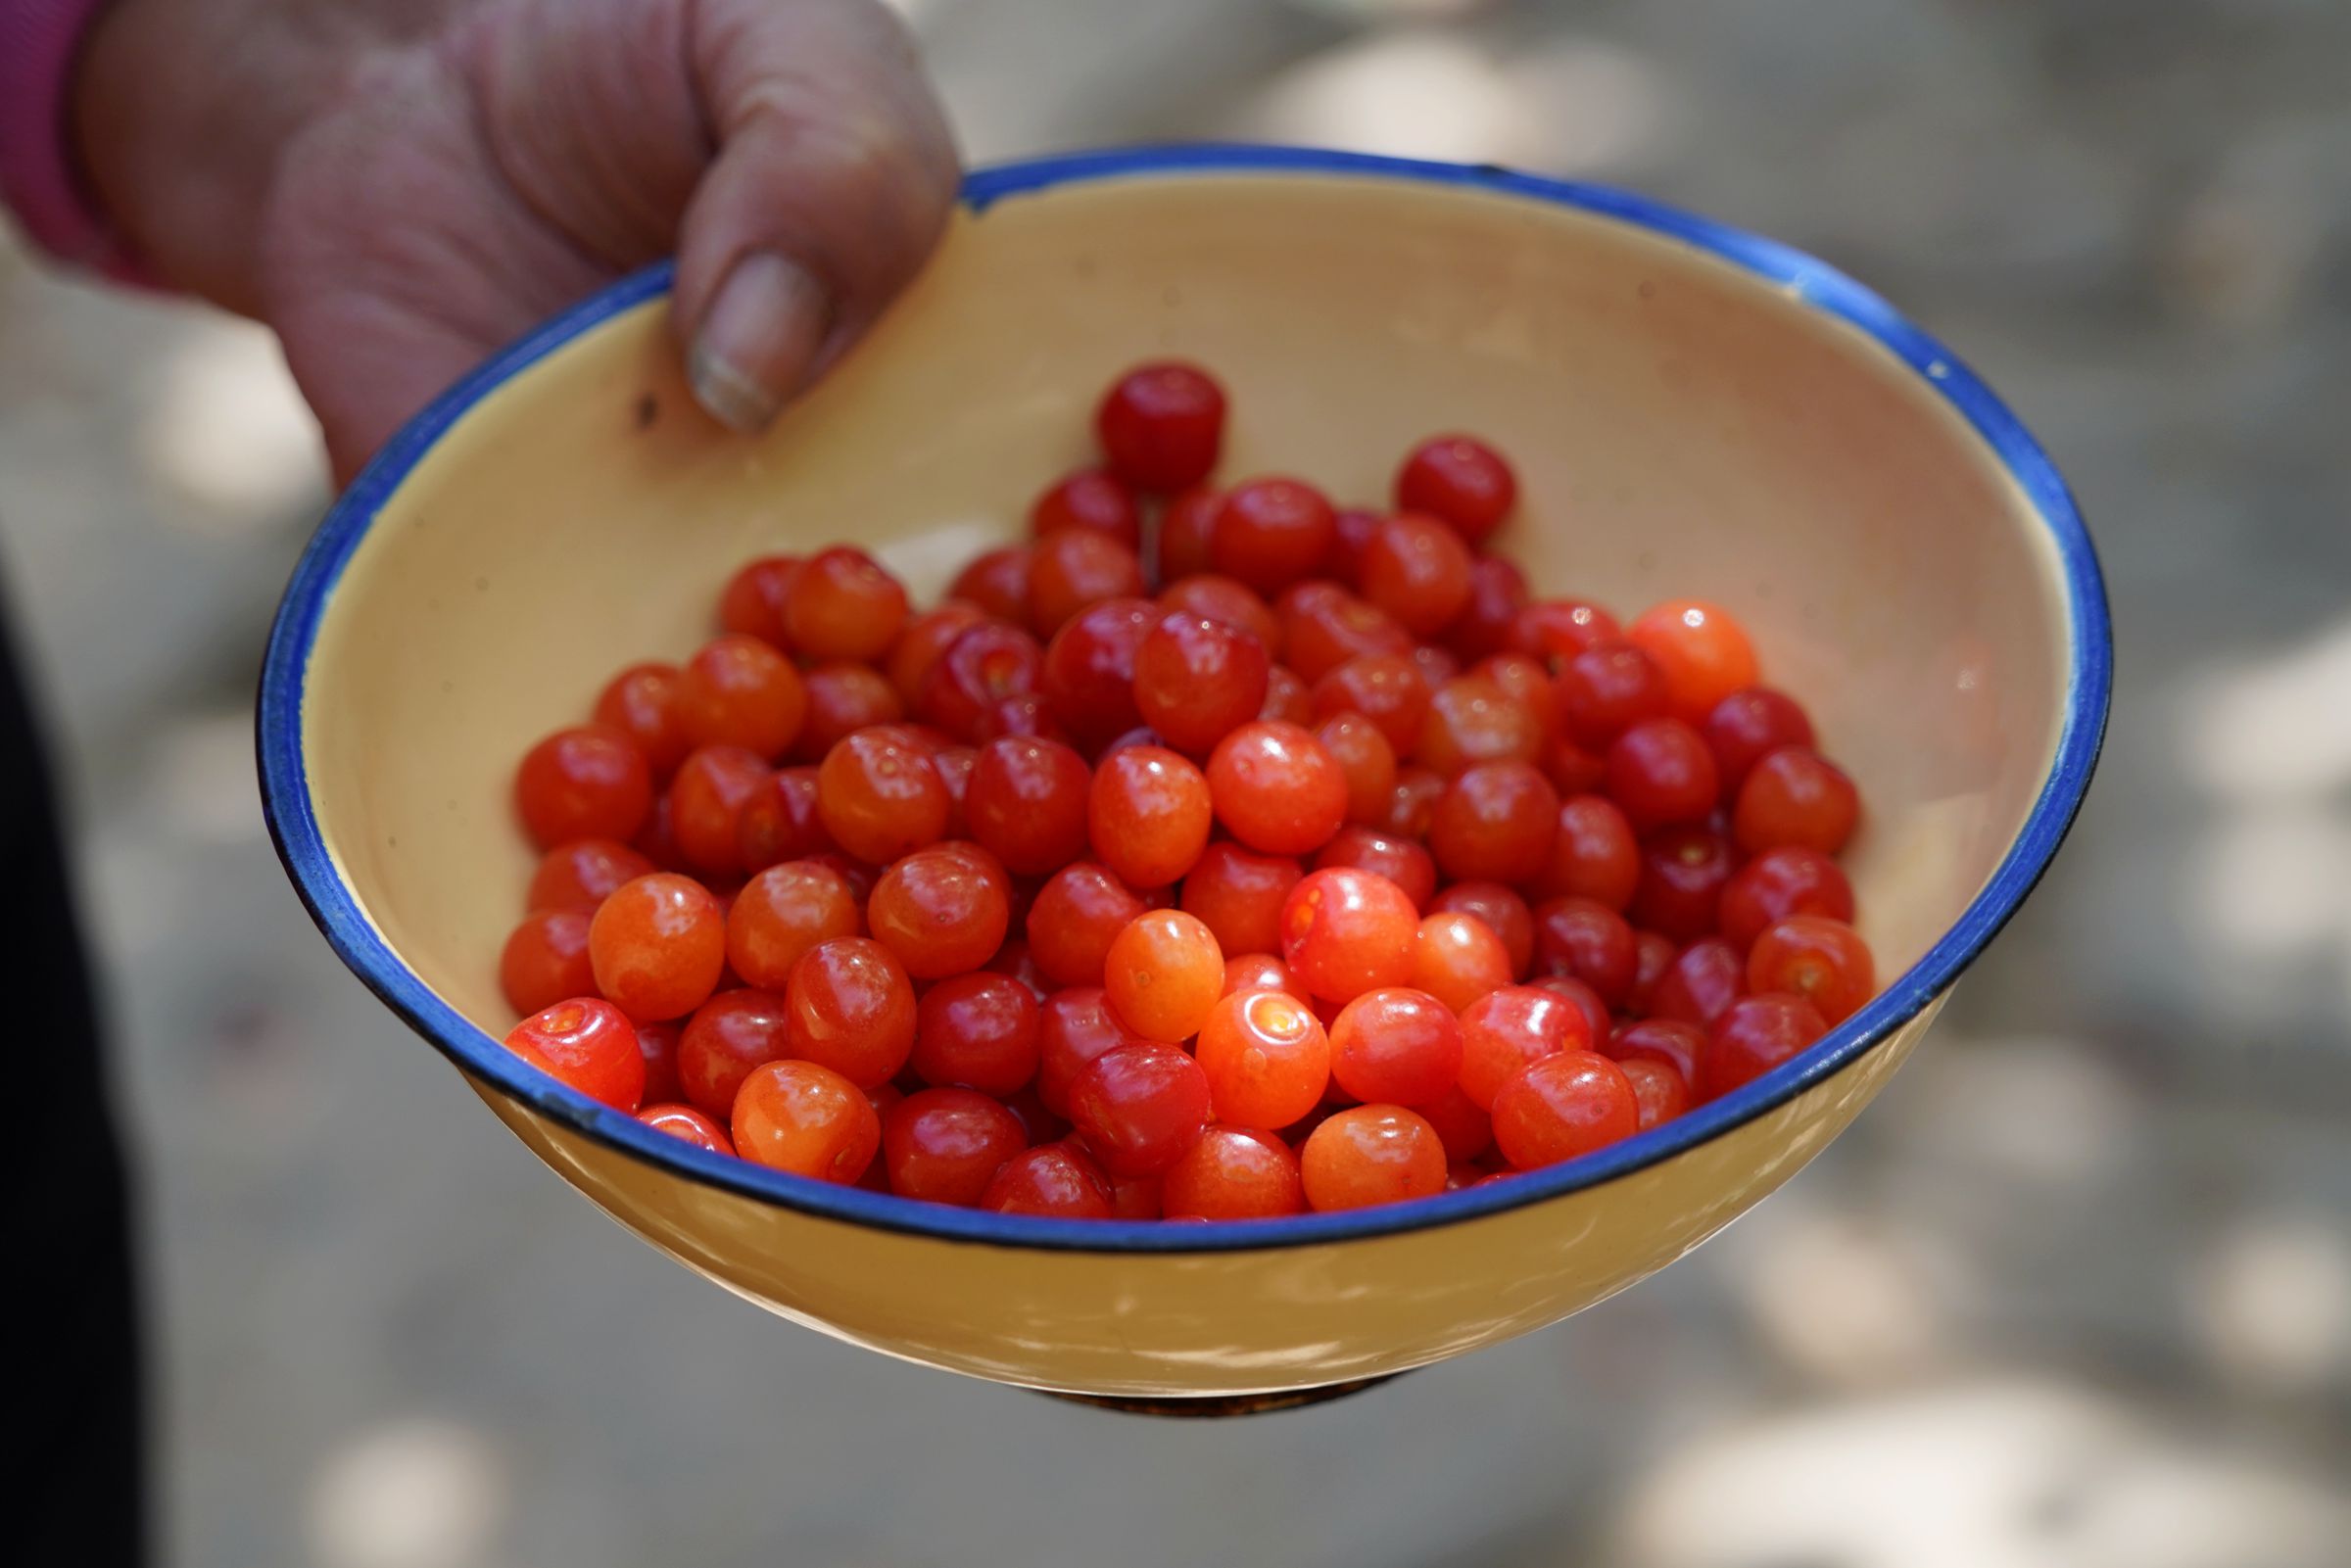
(81, 1495)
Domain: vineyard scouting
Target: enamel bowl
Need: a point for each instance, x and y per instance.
(1693, 412)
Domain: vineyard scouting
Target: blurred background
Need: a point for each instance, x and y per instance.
(2076, 1292)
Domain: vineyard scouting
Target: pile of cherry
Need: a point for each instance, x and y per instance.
(1336, 872)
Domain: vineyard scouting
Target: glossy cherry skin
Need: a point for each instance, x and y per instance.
(879, 795)
(1233, 1173)
(1163, 975)
(782, 913)
(1679, 1045)
(851, 1008)
(1753, 1035)
(1397, 858)
(977, 1031)
(1266, 1057)
(1700, 983)
(657, 945)
(1703, 653)
(1236, 604)
(988, 664)
(1287, 699)
(1662, 774)
(1055, 1181)
(727, 1039)
(996, 583)
(1027, 803)
(1071, 570)
(807, 1120)
(1324, 626)
(1556, 631)
(1512, 1027)
(1587, 942)
(684, 1122)
(844, 699)
(752, 601)
(1161, 425)
(1502, 910)
(1749, 724)
(777, 821)
(1777, 884)
(1087, 679)
(740, 691)
(1388, 689)
(545, 960)
(1563, 1105)
(925, 642)
(1276, 788)
(1183, 532)
(1496, 821)
(658, 1043)
(1346, 932)
(1238, 894)
(1659, 1093)
(1824, 961)
(1458, 959)
(844, 606)
(1075, 1025)
(1652, 955)
(585, 1044)
(1260, 971)
(1413, 808)
(578, 876)
(1683, 872)
(642, 703)
(1417, 569)
(1139, 1107)
(1148, 814)
(1089, 499)
(1075, 918)
(1396, 1046)
(1370, 1154)
(1269, 533)
(712, 790)
(1603, 691)
(1367, 761)
(1496, 593)
(1459, 479)
(1593, 853)
(1472, 720)
(944, 1146)
(1196, 679)
(940, 911)
(589, 781)
(1795, 796)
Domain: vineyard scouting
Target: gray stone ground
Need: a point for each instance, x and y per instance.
(2075, 1293)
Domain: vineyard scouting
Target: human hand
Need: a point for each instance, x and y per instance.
(399, 186)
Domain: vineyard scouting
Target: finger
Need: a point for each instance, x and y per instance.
(833, 177)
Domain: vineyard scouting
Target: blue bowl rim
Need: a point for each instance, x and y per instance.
(294, 827)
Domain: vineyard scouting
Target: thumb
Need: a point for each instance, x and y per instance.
(833, 178)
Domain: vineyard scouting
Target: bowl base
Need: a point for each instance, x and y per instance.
(1216, 1407)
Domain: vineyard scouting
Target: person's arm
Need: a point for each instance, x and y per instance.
(398, 186)
(41, 42)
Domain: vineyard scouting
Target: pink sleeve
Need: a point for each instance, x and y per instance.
(39, 42)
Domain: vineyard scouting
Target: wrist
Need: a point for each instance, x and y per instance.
(179, 111)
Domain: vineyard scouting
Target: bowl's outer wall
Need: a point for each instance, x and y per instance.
(1681, 427)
